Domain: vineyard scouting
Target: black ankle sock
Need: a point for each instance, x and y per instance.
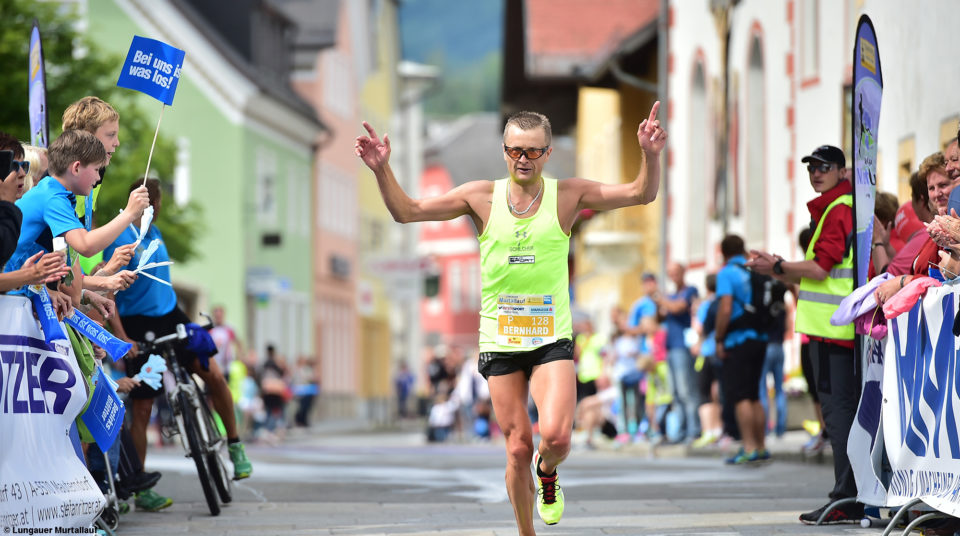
(233, 441)
(541, 474)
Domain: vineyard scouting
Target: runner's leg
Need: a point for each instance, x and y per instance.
(553, 386)
(509, 393)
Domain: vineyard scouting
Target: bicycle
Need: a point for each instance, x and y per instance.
(199, 434)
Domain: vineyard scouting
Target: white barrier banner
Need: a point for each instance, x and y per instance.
(42, 482)
(921, 406)
(865, 433)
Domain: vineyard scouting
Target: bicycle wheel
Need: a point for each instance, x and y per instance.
(220, 476)
(197, 453)
(214, 440)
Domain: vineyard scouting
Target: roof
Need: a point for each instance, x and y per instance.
(316, 22)
(277, 88)
(576, 37)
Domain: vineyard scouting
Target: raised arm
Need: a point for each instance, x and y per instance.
(375, 153)
(89, 243)
(643, 190)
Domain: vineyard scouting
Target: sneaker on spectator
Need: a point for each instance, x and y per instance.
(549, 496)
(138, 482)
(708, 438)
(845, 513)
(739, 457)
(242, 468)
(151, 501)
(815, 446)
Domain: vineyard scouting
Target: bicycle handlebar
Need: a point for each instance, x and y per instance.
(180, 333)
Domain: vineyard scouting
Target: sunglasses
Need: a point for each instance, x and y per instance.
(20, 164)
(822, 168)
(531, 154)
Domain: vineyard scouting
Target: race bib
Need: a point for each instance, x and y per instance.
(525, 321)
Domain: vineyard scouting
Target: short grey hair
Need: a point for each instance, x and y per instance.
(528, 121)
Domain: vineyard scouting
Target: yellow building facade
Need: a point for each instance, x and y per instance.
(614, 248)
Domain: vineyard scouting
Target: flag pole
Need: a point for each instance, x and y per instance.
(154, 144)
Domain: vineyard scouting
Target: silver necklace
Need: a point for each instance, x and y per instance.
(524, 211)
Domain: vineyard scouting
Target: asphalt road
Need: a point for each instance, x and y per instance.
(376, 484)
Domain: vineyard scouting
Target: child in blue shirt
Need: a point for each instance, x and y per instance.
(49, 207)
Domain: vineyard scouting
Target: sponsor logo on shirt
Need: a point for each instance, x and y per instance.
(521, 259)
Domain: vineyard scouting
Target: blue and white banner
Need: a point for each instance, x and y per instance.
(921, 404)
(49, 324)
(867, 94)
(98, 335)
(152, 67)
(37, 84)
(43, 484)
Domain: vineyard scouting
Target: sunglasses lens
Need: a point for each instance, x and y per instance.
(533, 154)
(514, 152)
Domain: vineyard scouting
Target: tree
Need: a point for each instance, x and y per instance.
(75, 68)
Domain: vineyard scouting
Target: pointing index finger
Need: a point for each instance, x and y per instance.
(373, 133)
(653, 111)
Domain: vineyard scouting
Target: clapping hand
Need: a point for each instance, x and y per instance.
(45, 268)
(945, 230)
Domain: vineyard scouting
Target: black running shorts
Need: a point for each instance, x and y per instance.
(503, 363)
(741, 370)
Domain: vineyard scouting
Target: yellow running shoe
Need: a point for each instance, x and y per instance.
(549, 496)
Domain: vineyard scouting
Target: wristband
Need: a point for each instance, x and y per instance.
(881, 244)
(902, 277)
(778, 267)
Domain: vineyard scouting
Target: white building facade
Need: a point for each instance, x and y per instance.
(789, 72)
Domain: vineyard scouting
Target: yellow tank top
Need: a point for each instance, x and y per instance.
(525, 301)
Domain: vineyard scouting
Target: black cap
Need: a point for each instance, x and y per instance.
(829, 154)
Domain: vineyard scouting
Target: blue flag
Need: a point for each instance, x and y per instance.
(104, 414)
(152, 67)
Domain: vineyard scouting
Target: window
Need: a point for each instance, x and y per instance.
(948, 131)
(337, 202)
(455, 286)
(181, 172)
(293, 202)
(337, 88)
(473, 287)
(810, 40)
(846, 132)
(266, 191)
(698, 179)
(304, 200)
(906, 165)
(755, 223)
